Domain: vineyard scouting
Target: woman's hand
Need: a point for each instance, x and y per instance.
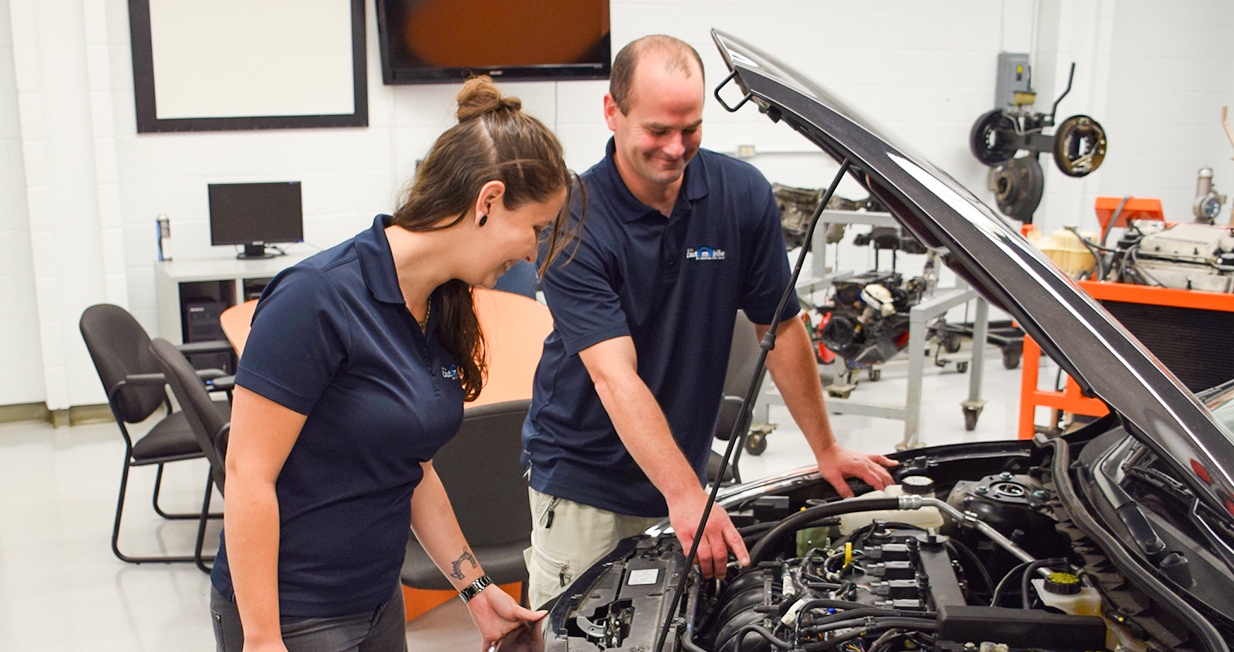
(497, 614)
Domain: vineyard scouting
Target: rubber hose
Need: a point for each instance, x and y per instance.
(792, 523)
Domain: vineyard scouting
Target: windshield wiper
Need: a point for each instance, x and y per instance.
(1132, 467)
(1129, 511)
(1161, 482)
(1214, 539)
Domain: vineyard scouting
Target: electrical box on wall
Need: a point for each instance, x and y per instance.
(1014, 83)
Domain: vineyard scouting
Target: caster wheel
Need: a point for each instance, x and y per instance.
(1011, 359)
(874, 374)
(840, 391)
(970, 420)
(950, 343)
(756, 443)
(962, 366)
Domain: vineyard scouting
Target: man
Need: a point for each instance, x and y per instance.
(676, 240)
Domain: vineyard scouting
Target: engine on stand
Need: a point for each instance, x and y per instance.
(867, 321)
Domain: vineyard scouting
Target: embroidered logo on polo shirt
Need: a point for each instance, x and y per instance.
(452, 373)
(704, 253)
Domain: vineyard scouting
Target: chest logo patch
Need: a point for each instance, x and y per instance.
(704, 253)
(452, 372)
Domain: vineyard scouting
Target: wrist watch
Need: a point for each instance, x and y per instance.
(474, 588)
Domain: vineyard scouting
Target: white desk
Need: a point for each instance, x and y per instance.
(221, 279)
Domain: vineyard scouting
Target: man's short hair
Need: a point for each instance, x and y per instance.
(676, 53)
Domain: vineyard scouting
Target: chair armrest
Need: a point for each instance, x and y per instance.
(135, 380)
(143, 379)
(221, 440)
(730, 412)
(211, 346)
(220, 384)
(207, 375)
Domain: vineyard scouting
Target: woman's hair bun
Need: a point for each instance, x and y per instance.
(480, 97)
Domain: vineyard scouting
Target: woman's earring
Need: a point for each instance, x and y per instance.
(483, 220)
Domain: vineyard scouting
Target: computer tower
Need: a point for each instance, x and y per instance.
(201, 324)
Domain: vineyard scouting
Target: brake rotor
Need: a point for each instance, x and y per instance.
(1079, 146)
(1018, 186)
(988, 139)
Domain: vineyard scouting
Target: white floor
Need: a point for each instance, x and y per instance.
(61, 588)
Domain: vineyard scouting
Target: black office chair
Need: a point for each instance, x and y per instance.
(480, 471)
(134, 383)
(742, 359)
(209, 424)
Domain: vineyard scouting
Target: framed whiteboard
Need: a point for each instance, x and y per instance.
(248, 64)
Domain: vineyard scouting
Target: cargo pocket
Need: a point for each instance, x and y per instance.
(542, 510)
(552, 572)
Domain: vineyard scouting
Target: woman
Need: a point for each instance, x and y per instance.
(354, 375)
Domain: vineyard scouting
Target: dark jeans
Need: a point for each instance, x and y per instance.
(381, 630)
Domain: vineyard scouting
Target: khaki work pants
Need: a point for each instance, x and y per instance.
(570, 541)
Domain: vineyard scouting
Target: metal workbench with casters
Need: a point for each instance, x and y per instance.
(920, 317)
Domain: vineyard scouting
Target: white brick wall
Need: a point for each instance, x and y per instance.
(20, 358)
(1170, 73)
(1155, 77)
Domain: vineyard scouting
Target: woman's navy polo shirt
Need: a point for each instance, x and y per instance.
(332, 339)
(674, 286)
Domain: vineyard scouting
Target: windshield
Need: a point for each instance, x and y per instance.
(1220, 401)
(1222, 406)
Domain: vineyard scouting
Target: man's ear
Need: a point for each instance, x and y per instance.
(610, 112)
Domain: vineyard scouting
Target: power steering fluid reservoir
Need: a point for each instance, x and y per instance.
(926, 517)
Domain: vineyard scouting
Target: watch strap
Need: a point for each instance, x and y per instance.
(471, 590)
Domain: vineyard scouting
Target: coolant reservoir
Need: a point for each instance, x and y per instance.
(926, 517)
(1064, 592)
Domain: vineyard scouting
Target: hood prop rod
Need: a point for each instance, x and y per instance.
(741, 427)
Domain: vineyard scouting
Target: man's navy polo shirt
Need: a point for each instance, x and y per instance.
(674, 286)
(333, 339)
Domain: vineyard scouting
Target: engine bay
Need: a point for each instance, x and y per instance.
(972, 549)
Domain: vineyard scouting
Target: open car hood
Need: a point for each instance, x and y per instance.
(1090, 345)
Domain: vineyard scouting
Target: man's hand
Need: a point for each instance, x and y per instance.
(718, 537)
(836, 463)
(496, 614)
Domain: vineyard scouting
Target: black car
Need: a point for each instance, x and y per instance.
(1116, 536)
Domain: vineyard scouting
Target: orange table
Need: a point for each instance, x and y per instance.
(236, 322)
(1070, 400)
(514, 328)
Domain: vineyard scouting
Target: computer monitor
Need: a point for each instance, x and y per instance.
(255, 214)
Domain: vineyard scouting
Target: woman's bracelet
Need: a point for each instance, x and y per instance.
(475, 588)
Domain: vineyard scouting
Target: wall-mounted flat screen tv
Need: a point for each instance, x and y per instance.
(445, 41)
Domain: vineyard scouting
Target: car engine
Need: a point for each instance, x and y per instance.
(1186, 256)
(868, 319)
(984, 561)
